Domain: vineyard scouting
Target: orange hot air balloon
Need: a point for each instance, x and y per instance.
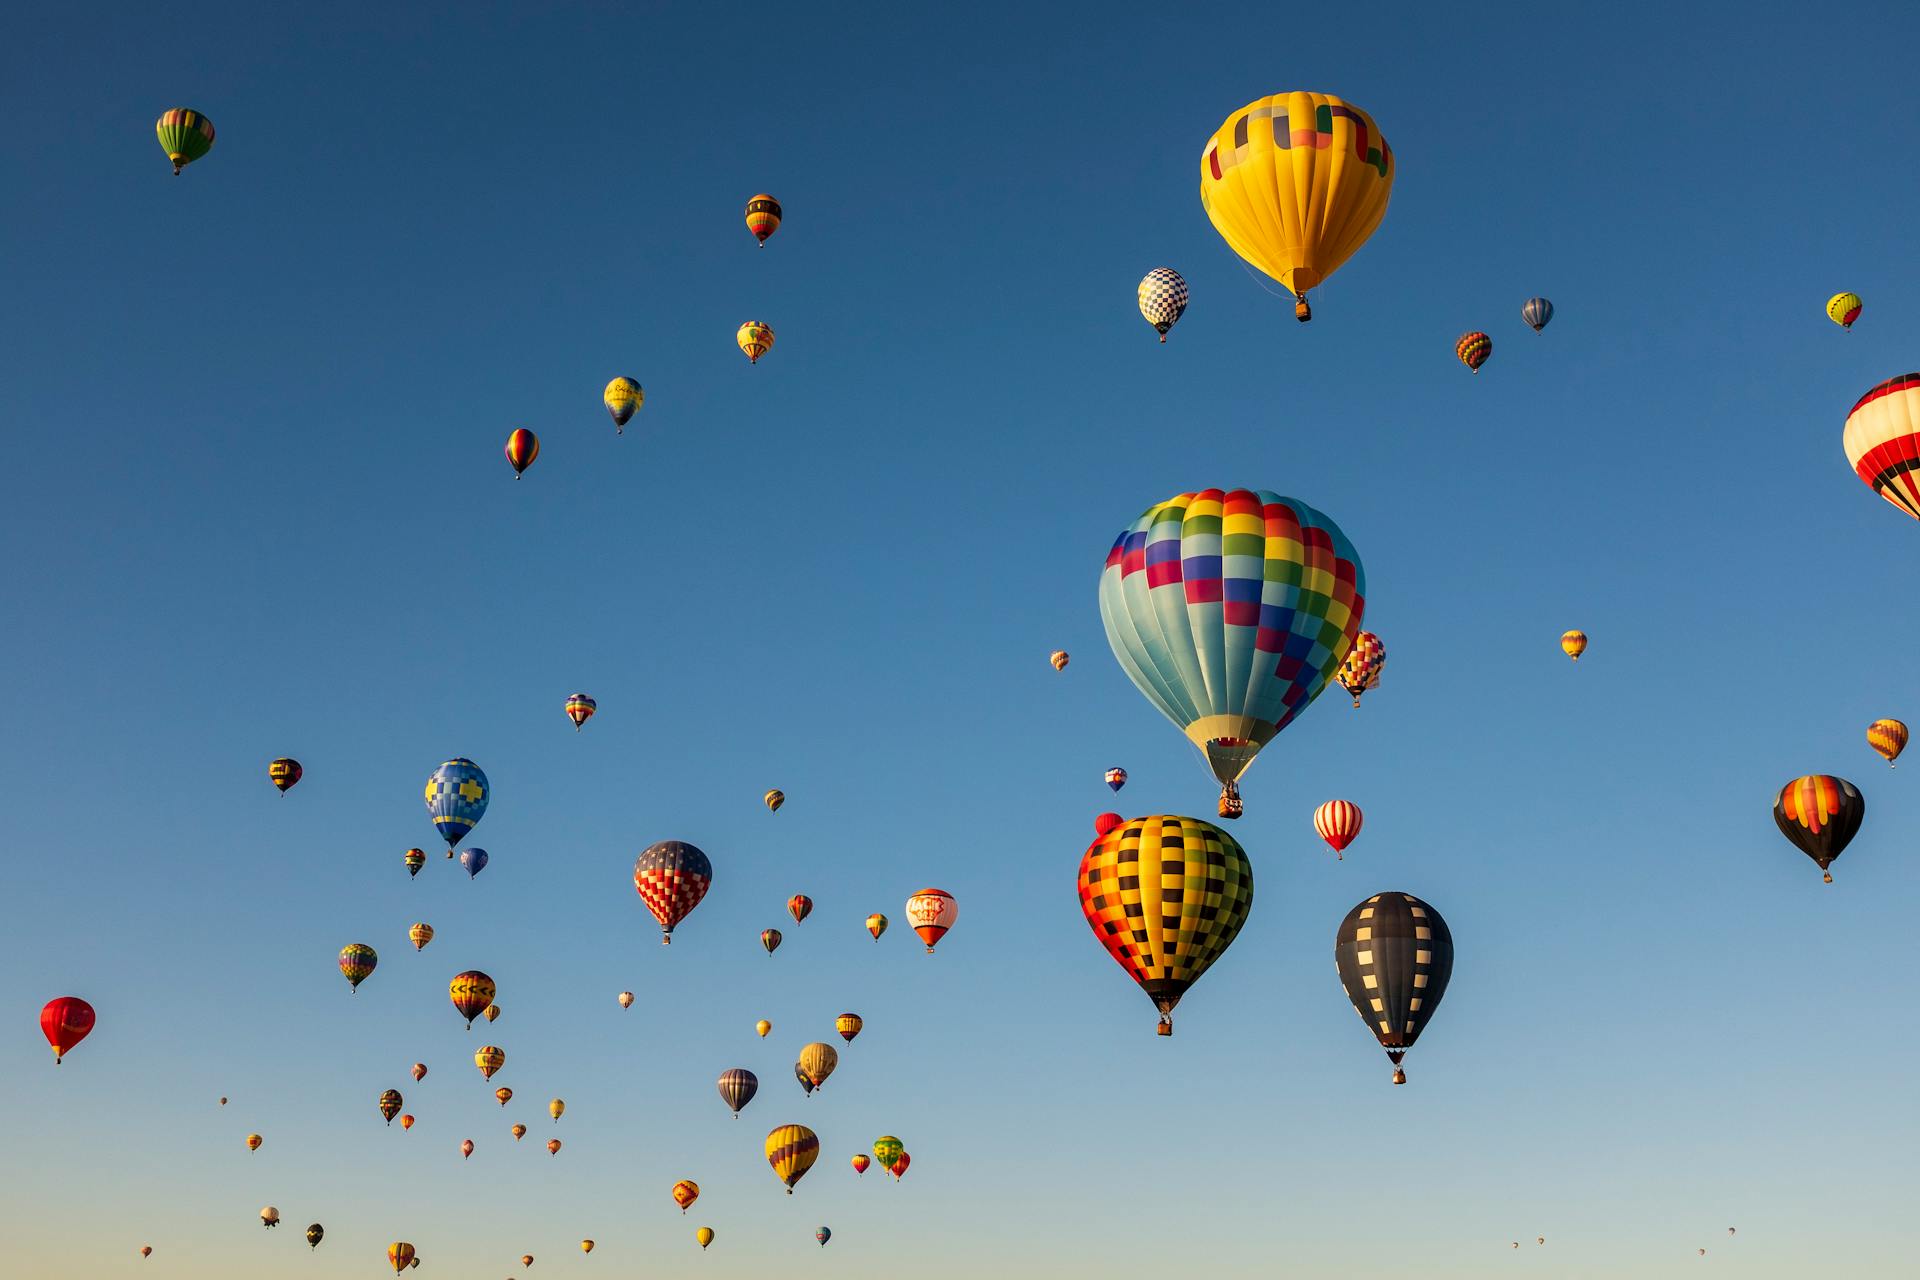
(503, 1093)
(799, 906)
(1573, 644)
(466, 1148)
(253, 1141)
(1059, 658)
(522, 448)
(401, 1255)
(876, 925)
(553, 1146)
(861, 1161)
(146, 1250)
(685, 1192)
(420, 935)
(1888, 737)
(489, 1058)
(419, 1071)
(932, 912)
(65, 1021)
(406, 1122)
(518, 1131)
(526, 1259)
(899, 1167)
(471, 993)
(1105, 822)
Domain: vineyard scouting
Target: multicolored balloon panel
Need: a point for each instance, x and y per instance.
(580, 709)
(522, 448)
(471, 993)
(1473, 349)
(763, 217)
(185, 135)
(754, 339)
(1821, 814)
(1888, 737)
(1360, 670)
(357, 961)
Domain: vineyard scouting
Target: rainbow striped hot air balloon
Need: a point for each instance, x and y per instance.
(791, 1150)
(522, 448)
(671, 877)
(185, 135)
(457, 795)
(763, 217)
(580, 709)
(1821, 814)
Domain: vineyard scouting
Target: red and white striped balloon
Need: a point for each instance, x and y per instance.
(1338, 822)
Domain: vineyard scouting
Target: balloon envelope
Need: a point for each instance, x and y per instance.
(65, 1021)
(457, 795)
(791, 1150)
(1821, 814)
(1395, 956)
(671, 877)
(1882, 440)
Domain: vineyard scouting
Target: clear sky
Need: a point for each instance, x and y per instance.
(255, 505)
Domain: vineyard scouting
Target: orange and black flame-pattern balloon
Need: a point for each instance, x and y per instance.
(1821, 814)
(1395, 956)
(390, 1105)
(522, 448)
(471, 993)
(1473, 349)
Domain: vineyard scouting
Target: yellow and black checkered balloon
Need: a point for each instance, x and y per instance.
(1166, 896)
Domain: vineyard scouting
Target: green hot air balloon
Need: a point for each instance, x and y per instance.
(185, 135)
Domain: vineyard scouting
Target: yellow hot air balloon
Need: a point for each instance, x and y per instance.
(420, 935)
(518, 1131)
(491, 1012)
(763, 1026)
(704, 1235)
(489, 1058)
(791, 1150)
(756, 339)
(775, 799)
(400, 1254)
(1294, 184)
(1888, 737)
(1573, 644)
(685, 1192)
(586, 1246)
(556, 1109)
(876, 925)
(848, 1025)
(818, 1061)
(623, 398)
(1843, 309)
(253, 1141)
(504, 1094)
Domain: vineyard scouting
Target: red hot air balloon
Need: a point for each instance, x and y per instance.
(65, 1022)
(799, 906)
(522, 448)
(1338, 822)
(1106, 822)
(899, 1167)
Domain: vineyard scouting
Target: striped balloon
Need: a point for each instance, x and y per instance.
(848, 1025)
(1395, 955)
(580, 709)
(1360, 670)
(401, 1255)
(1230, 610)
(791, 1150)
(1536, 312)
(1573, 644)
(1843, 309)
(420, 935)
(770, 939)
(755, 339)
(185, 135)
(737, 1087)
(671, 877)
(1338, 822)
(357, 960)
(799, 906)
(1821, 814)
(1888, 737)
(489, 1058)
(1163, 297)
(876, 925)
(1882, 440)
(471, 993)
(763, 217)
(522, 448)
(818, 1061)
(860, 1162)
(887, 1149)
(284, 772)
(1473, 349)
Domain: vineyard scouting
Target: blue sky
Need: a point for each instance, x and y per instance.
(257, 506)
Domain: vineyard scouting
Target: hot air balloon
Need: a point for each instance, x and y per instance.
(457, 795)
(737, 1087)
(799, 906)
(314, 1235)
(65, 1021)
(887, 1149)
(471, 993)
(406, 1122)
(770, 939)
(1294, 184)
(754, 338)
(489, 1058)
(763, 217)
(932, 912)
(357, 960)
(526, 1259)
(899, 1166)
(586, 1246)
(860, 1162)
(466, 1149)
(1821, 814)
(685, 1192)
(253, 1141)
(185, 135)
(818, 1060)
(671, 878)
(876, 925)
(1162, 296)
(390, 1105)
(502, 1095)
(1537, 312)
(580, 709)
(223, 1101)
(1473, 349)
(823, 1234)
(775, 799)
(415, 859)
(420, 935)
(1338, 822)
(626, 999)
(1105, 822)
(474, 860)
(848, 1025)
(284, 772)
(419, 1071)
(623, 398)
(518, 1131)
(400, 1254)
(1843, 309)
(1360, 669)
(1394, 954)
(763, 1026)
(557, 1108)
(269, 1217)
(146, 1251)
(1059, 659)
(1882, 441)
(1888, 737)
(806, 1081)
(553, 1146)
(522, 448)
(1230, 611)
(1116, 778)
(1573, 644)
(791, 1150)
(1165, 896)
(491, 1012)
(704, 1235)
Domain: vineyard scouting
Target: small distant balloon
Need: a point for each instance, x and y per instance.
(553, 1146)
(269, 1217)
(755, 339)
(1573, 644)
(1163, 298)
(763, 217)
(489, 1058)
(420, 934)
(503, 1095)
(406, 1122)
(1360, 669)
(471, 993)
(775, 799)
(491, 1012)
(1116, 778)
(185, 135)
(1059, 659)
(66, 1021)
(415, 859)
(899, 1166)
(770, 939)
(284, 772)
(818, 1060)
(685, 1192)
(823, 1234)
(876, 925)
(400, 1253)
(1820, 814)
(522, 448)
(466, 1148)
(1338, 822)
(357, 960)
(932, 913)
(580, 709)
(253, 1141)
(763, 1026)
(671, 877)
(586, 1246)
(556, 1109)
(860, 1162)
(390, 1105)
(1473, 349)
(1843, 309)
(791, 1150)
(738, 1087)
(848, 1025)
(314, 1235)
(1536, 312)
(799, 906)
(626, 999)
(474, 860)
(1888, 737)
(623, 398)
(518, 1131)
(457, 796)
(419, 1071)
(704, 1235)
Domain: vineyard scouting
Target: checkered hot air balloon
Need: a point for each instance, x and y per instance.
(1473, 349)
(932, 912)
(1360, 669)
(580, 709)
(1230, 610)
(1162, 296)
(671, 877)
(1338, 822)
(185, 135)
(1821, 814)
(1395, 955)
(737, 1086)
(1164, 927)
(1882, 441)
(457, 796)
(357, 961)
(791, 1150)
